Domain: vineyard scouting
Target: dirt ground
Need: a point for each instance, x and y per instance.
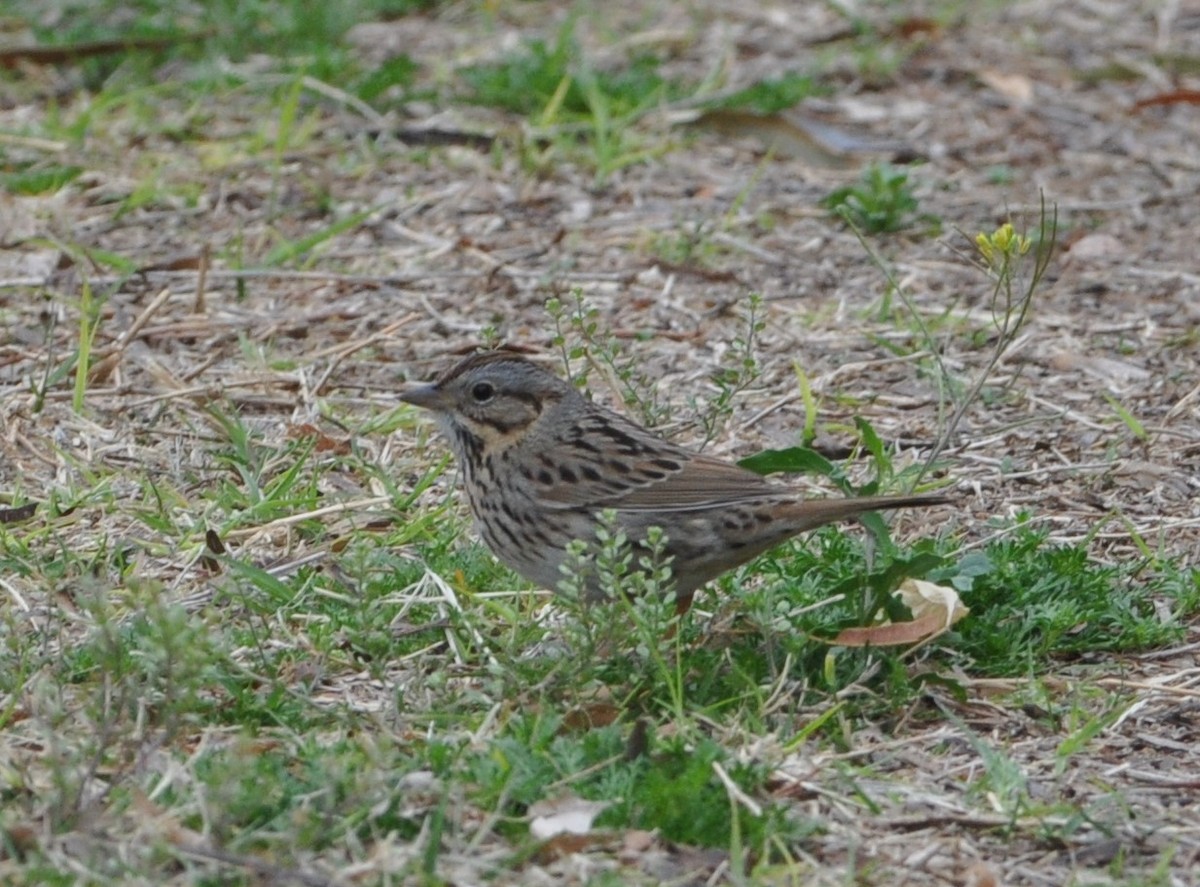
(1000, 107)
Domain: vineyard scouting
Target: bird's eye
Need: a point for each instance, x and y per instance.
(482, 392)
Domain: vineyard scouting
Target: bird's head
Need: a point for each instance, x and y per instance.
(490, 400)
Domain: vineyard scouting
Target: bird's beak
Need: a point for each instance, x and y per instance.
(428, 396)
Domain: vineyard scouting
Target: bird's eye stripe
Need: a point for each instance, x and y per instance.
(524, 397)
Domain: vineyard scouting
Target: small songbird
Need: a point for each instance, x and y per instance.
(540, 463)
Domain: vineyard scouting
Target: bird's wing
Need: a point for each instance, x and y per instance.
(701, 482)
(606, 461)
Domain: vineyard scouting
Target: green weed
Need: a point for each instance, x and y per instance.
(771, 95)
(1032, 603)
(569, 103)
(882, 203)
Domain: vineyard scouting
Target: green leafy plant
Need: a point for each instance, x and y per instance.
(770, 95)
(42, 179)
(551, 81)
(883, 202)
(1032, 601)
(636, 580)
(570, 103)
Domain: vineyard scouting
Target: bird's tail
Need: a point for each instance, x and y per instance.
(811, 513)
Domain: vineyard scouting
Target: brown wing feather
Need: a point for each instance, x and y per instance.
(638, 471)
(702, 482)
